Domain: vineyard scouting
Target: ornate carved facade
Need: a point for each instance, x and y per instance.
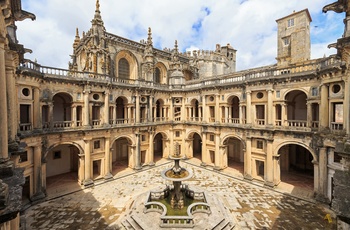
(126, 102)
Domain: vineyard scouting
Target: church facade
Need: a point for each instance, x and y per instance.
(126, 103)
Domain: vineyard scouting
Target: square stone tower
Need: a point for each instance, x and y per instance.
(293, 38)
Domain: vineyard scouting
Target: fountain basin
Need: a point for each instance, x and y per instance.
(184, 174)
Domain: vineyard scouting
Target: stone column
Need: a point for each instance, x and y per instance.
(323, 173)
(309, 114)
(269, 164)
(106, 109)
(200, 116)
(217, 163)
(324, 108)
(129, 115)
(248, 159)
(276, 170)
(240, 114)
(81, 170)
(226, 114)
(150, 104)
(3, 107)
(138, 152)
(269, 107)
(137, 118)
(249, 108)
(50, 118)
(204, 149)
(151, 148)
(284, 114)
(73, 115)
(347, 107)
(217, 108)
(36, 110)
(38, 193)
(171, 110)
(108, 174)
(12, 102)
(183, 110)
(87, 150)
(204, 112)
(86, 120)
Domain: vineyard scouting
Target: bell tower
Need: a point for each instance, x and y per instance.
(293, 38)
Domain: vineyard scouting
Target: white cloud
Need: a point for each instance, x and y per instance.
(249, 26)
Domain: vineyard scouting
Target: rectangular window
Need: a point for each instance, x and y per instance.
(23, 156)
(177, 133)
(314, 91)
(211, 137)
(286, 41)
(259, 144)
(338, 112)
(57, 155)
(143, 137)
(290, 22)
(97, 144)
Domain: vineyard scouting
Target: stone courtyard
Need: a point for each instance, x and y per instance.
(253, 206)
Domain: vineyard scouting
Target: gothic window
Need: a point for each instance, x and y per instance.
(123, 69)
(157, 75)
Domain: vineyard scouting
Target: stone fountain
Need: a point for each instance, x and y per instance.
(179, 205)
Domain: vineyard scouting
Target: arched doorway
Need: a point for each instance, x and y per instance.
(296, 108)
(296, 167)
(235, 154)
(197, 146)
(158, 147)
(120, 154)
(62, 111)
(233, 103)
(62, 169)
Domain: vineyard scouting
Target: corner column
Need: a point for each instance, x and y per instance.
(38, 193)
(87, 150)
(248, 160)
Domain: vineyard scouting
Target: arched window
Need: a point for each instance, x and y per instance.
(157, 75)
(123, 69)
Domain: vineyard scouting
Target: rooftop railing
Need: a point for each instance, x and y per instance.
(272, 71)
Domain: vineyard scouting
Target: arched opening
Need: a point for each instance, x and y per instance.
(120, 110)
(157, 75)
(233, 107)
(235, 154)
(158, 147)
(296, 166)
(62, 168)
(62, 110)
(120, 154)
(194, 116)
(296, 108)
(197, 146)
(159, 113)
(123, 69)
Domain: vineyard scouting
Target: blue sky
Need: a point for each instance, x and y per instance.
(249, 26)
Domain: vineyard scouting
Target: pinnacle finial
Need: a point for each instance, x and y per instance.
(97, 5)
(77, 32)
(176, 46)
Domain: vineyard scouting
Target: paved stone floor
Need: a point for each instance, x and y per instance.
(99, 207)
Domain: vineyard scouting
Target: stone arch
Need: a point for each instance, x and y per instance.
(235, 156)
(232, 136)
(133, 63)
(285, 93)
(162, 71)
(315, 159)
(231, 95)
(81, 150)
(194, 144)
(160, 145)
(67, 94)
(292, 164)
(123, 155)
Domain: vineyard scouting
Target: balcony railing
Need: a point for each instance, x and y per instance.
(337, 125)
(96, 122)
(62, 124)
(260, 121)
(25, 126)
(233, 120)
(297, 123)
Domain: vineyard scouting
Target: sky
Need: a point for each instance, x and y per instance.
(248, 25)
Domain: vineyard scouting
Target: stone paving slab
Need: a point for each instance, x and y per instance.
(253, 207)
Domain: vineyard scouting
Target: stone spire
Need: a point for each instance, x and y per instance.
(175, 57)
(149, 47)
(97, 18)
(77, 39)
